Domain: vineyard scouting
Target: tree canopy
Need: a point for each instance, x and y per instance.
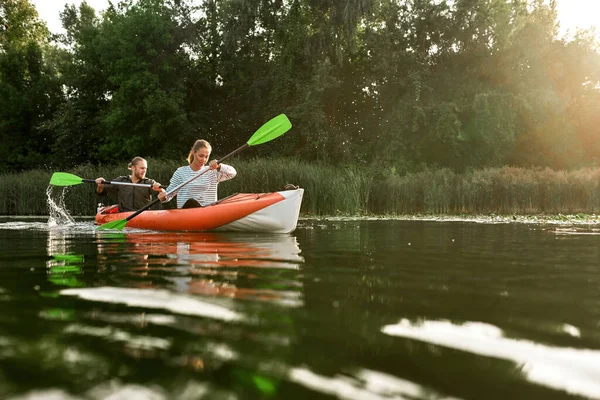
(400, 84)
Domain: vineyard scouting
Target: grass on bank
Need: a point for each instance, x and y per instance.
(335, 190)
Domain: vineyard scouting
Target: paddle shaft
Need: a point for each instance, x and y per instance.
(176, 189)
(121, 183)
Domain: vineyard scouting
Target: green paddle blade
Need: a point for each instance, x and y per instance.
(116, 224)
(271, 130)
(64, 179)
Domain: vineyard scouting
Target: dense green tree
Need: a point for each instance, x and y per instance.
(29, 89)
(126, 75)
(77, 125)
(399, 84)
(142, 52)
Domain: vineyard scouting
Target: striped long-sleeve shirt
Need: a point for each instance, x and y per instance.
(204, 188)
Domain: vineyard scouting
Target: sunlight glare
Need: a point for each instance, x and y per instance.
(574, 14)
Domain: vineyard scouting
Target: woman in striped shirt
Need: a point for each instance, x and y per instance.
(203, 190)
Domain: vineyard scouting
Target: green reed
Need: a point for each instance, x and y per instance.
(338, 190)
(503, 190)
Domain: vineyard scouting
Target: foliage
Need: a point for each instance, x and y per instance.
(409, 85)
(29, 90)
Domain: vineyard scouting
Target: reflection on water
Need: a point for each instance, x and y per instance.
(154, 299)
(209, 264)
(168, 302)
(94, 315)
(364, 384)
(566, 368)
(64, 268)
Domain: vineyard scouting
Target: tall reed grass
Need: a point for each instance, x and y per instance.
(335, 190)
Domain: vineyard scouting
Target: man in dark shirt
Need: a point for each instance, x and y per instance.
(131, 198)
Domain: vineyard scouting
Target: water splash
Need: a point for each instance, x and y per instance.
(57, 210)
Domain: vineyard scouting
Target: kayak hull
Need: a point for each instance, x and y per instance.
(275, 212)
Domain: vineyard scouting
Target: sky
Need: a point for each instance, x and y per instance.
(571, 13)
(49, 10)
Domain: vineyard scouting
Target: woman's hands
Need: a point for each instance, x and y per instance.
(213, 164)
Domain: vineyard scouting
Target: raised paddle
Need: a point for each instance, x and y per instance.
(66, 179)
(269, 131)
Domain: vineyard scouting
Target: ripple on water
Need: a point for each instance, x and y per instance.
(156, 299)
(564, 368)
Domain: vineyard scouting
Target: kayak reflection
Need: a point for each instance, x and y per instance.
(258, 267)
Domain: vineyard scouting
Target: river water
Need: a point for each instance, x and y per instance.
(348, 309)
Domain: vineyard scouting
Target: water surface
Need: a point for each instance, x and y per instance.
(338, 309)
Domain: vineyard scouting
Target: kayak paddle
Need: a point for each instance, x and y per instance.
(66, 179)
(269, 131)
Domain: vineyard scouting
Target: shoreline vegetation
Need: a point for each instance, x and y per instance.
(352, 191)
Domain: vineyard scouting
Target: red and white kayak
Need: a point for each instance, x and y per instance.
(275, 212)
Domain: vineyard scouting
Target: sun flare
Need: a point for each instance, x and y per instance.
(574, 14)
